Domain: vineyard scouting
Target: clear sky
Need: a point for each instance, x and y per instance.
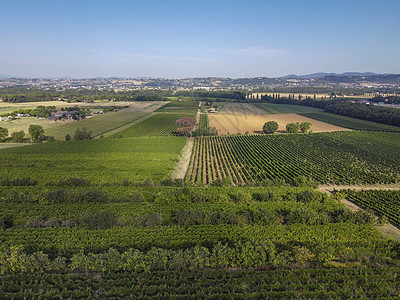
(179, 39)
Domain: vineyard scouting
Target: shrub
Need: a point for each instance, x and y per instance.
(270, 127)
(26, 181)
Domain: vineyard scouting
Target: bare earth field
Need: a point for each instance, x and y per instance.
(253, 123)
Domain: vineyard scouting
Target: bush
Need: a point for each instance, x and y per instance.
(267, 196)
(82, 134)
(26, 181)
(6, 222)
(103, 219)
(270, 127)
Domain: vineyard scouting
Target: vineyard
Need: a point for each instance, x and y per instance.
(103, 219)
(203, 123)
(351, 123)
(340, 158)
(180, 241)
(132, 159)
(384, 203)
(157, 125)
(175, 106)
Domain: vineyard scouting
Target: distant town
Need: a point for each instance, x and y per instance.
(365, 81)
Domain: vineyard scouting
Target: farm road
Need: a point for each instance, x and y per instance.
(183, 164)
(388, 230)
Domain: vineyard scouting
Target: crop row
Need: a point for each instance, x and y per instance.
(204, 124)
(302, 283)
(340, 158)
(384, 202)
(67, 241)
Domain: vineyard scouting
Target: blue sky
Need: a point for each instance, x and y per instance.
(179, 39)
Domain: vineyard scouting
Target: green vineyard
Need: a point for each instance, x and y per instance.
(340, 158)
(385, 203)
(158, 125)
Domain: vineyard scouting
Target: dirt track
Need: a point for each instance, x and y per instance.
(184, 160)
(388, 230)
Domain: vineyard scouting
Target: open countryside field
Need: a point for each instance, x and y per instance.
(238, 108)
(158, 124)
(252, 124)
(337, 158)
(273, 108)
(98, 124)
(99, 161)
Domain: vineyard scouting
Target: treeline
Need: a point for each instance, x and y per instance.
(386, 100)
(237, 95)
(379, 114)
(20, 94)
(17, 95)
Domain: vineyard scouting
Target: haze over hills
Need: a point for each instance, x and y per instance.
(346, 80)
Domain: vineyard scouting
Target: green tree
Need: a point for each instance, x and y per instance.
(292, 127)
(68, 137)
(270, 127)
(3, 133)
(36, 132)
(305, 127)
(82, 134)
(18, 136)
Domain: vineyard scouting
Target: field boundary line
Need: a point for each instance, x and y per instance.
(184, 160)
(125, 126)
(388, 230)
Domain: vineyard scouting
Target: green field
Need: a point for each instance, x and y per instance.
(100, 161)
(98, 124)
(340, 158)
(103, 219)
(161, 124)
(11, 145)
(351, 123)
(175, 106)
(267, 235)
(383, 202)
(273, 108)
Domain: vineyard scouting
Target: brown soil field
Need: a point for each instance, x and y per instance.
(253, 123)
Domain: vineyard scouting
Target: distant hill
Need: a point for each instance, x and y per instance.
(321, 74)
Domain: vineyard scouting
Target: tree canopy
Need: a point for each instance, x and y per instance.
(305, 127)
(270, 127)
(36, 132)
(292, 127)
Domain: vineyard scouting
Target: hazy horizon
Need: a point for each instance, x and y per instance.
(185, 39)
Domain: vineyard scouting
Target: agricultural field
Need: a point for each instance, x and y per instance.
(160, 124)
(184, 106)
(185, 241)
(273, 108)
(337, 158)
(351, 123)
(98, 124)
(383, 202)
(11, 145)
(253, 124)
(99, 161)
(203, 122)
(104, 219)
(232, 108)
